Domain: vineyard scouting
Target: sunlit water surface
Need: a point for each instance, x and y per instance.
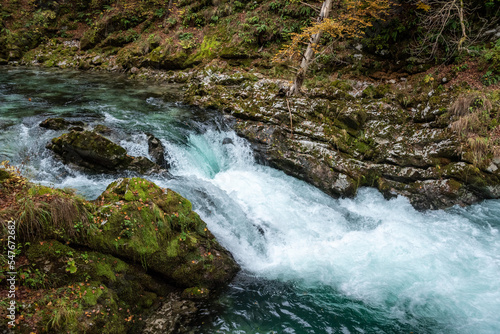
(310, 264)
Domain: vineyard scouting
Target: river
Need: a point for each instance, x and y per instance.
(310, 263)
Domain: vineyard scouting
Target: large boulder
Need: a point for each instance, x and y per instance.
(142, 222)
(91, 150)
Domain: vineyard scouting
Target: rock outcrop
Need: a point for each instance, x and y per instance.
(401, 145)
(157, 151)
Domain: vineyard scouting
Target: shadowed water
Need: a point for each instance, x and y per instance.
(311, 264)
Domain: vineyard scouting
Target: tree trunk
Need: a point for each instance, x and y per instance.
(462, 24)
(309, 54)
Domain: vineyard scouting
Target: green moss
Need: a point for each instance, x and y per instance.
(207, 51)
(38, 190)
(173, 248)
(92, 292)
(196, 292)
(106, 270)
(376, 92)
(159, 230)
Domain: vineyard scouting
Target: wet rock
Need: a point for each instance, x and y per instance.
(227, 141)
(91, 150)
(102, 129)
(157, 151)
(60, 123)
(76, 128)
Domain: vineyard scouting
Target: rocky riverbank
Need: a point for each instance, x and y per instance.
(433, 142)
(404, 139)
(378, 119)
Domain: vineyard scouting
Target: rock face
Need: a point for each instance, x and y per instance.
(91, 150)
(341, 139)
(60, 124)
(157, 228)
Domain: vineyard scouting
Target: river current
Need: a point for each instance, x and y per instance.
(310, 263)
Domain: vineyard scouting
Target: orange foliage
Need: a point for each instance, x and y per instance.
(350, 22)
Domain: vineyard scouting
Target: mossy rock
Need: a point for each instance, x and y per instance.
(196, 293)
(376, 92)
(120, 38)
(4, 175)
(85, 291)
(102, 129)
(59, 123)
(156, 227)
(335, 90)
(234, 52)
(354, 118)
(91, 150)
(176, 61)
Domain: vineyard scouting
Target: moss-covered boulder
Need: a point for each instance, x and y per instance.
(91, 267)
(144, 223)
(91, 150)
(59, 123)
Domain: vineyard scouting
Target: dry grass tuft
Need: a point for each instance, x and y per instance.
(40, 212)
(475, 118)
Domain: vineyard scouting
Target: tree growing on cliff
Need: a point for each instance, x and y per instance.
(350, 20)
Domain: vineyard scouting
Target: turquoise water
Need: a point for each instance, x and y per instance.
(310, 264)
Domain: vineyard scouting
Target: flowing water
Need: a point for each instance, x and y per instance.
(310, 264)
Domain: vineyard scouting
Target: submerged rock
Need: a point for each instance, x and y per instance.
(60, 124)
(91, 150)
(227, 141)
